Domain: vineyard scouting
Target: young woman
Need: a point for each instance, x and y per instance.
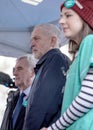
(77, 108)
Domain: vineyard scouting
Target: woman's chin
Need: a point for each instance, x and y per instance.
(68, 37)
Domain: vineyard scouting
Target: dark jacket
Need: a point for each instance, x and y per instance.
(44, 103)
(7, 120)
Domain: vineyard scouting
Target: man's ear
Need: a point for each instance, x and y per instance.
(53, 41)
(32, 73)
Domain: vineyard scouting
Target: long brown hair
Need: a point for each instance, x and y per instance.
(73, 45)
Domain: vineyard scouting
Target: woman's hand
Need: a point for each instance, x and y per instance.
(43, 128)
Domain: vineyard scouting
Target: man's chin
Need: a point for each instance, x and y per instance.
(36, 56)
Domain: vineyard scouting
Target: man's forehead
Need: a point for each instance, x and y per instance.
(21, 62)
(37, 31)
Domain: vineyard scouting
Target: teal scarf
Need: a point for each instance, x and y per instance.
(77, 73)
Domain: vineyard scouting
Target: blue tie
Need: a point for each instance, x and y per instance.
(17, 108)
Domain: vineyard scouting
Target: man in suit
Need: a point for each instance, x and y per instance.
(24, 75)
(45, 99)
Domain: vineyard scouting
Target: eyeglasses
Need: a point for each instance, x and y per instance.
(70, 3)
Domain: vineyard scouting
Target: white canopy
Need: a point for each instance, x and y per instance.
(17, 19)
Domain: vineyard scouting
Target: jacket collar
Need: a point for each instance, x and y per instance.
(44, 58)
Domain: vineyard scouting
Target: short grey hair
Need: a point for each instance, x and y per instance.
(53, 30)
(30, 58)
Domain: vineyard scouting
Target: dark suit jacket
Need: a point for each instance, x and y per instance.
(45, 99)
(7, 120)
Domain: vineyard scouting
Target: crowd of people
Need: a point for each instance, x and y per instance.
(52, 92)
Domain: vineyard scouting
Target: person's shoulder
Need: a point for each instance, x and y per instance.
(87, 41)
(63, 58)
(88, 37)
(12, 94)
(67, 59)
